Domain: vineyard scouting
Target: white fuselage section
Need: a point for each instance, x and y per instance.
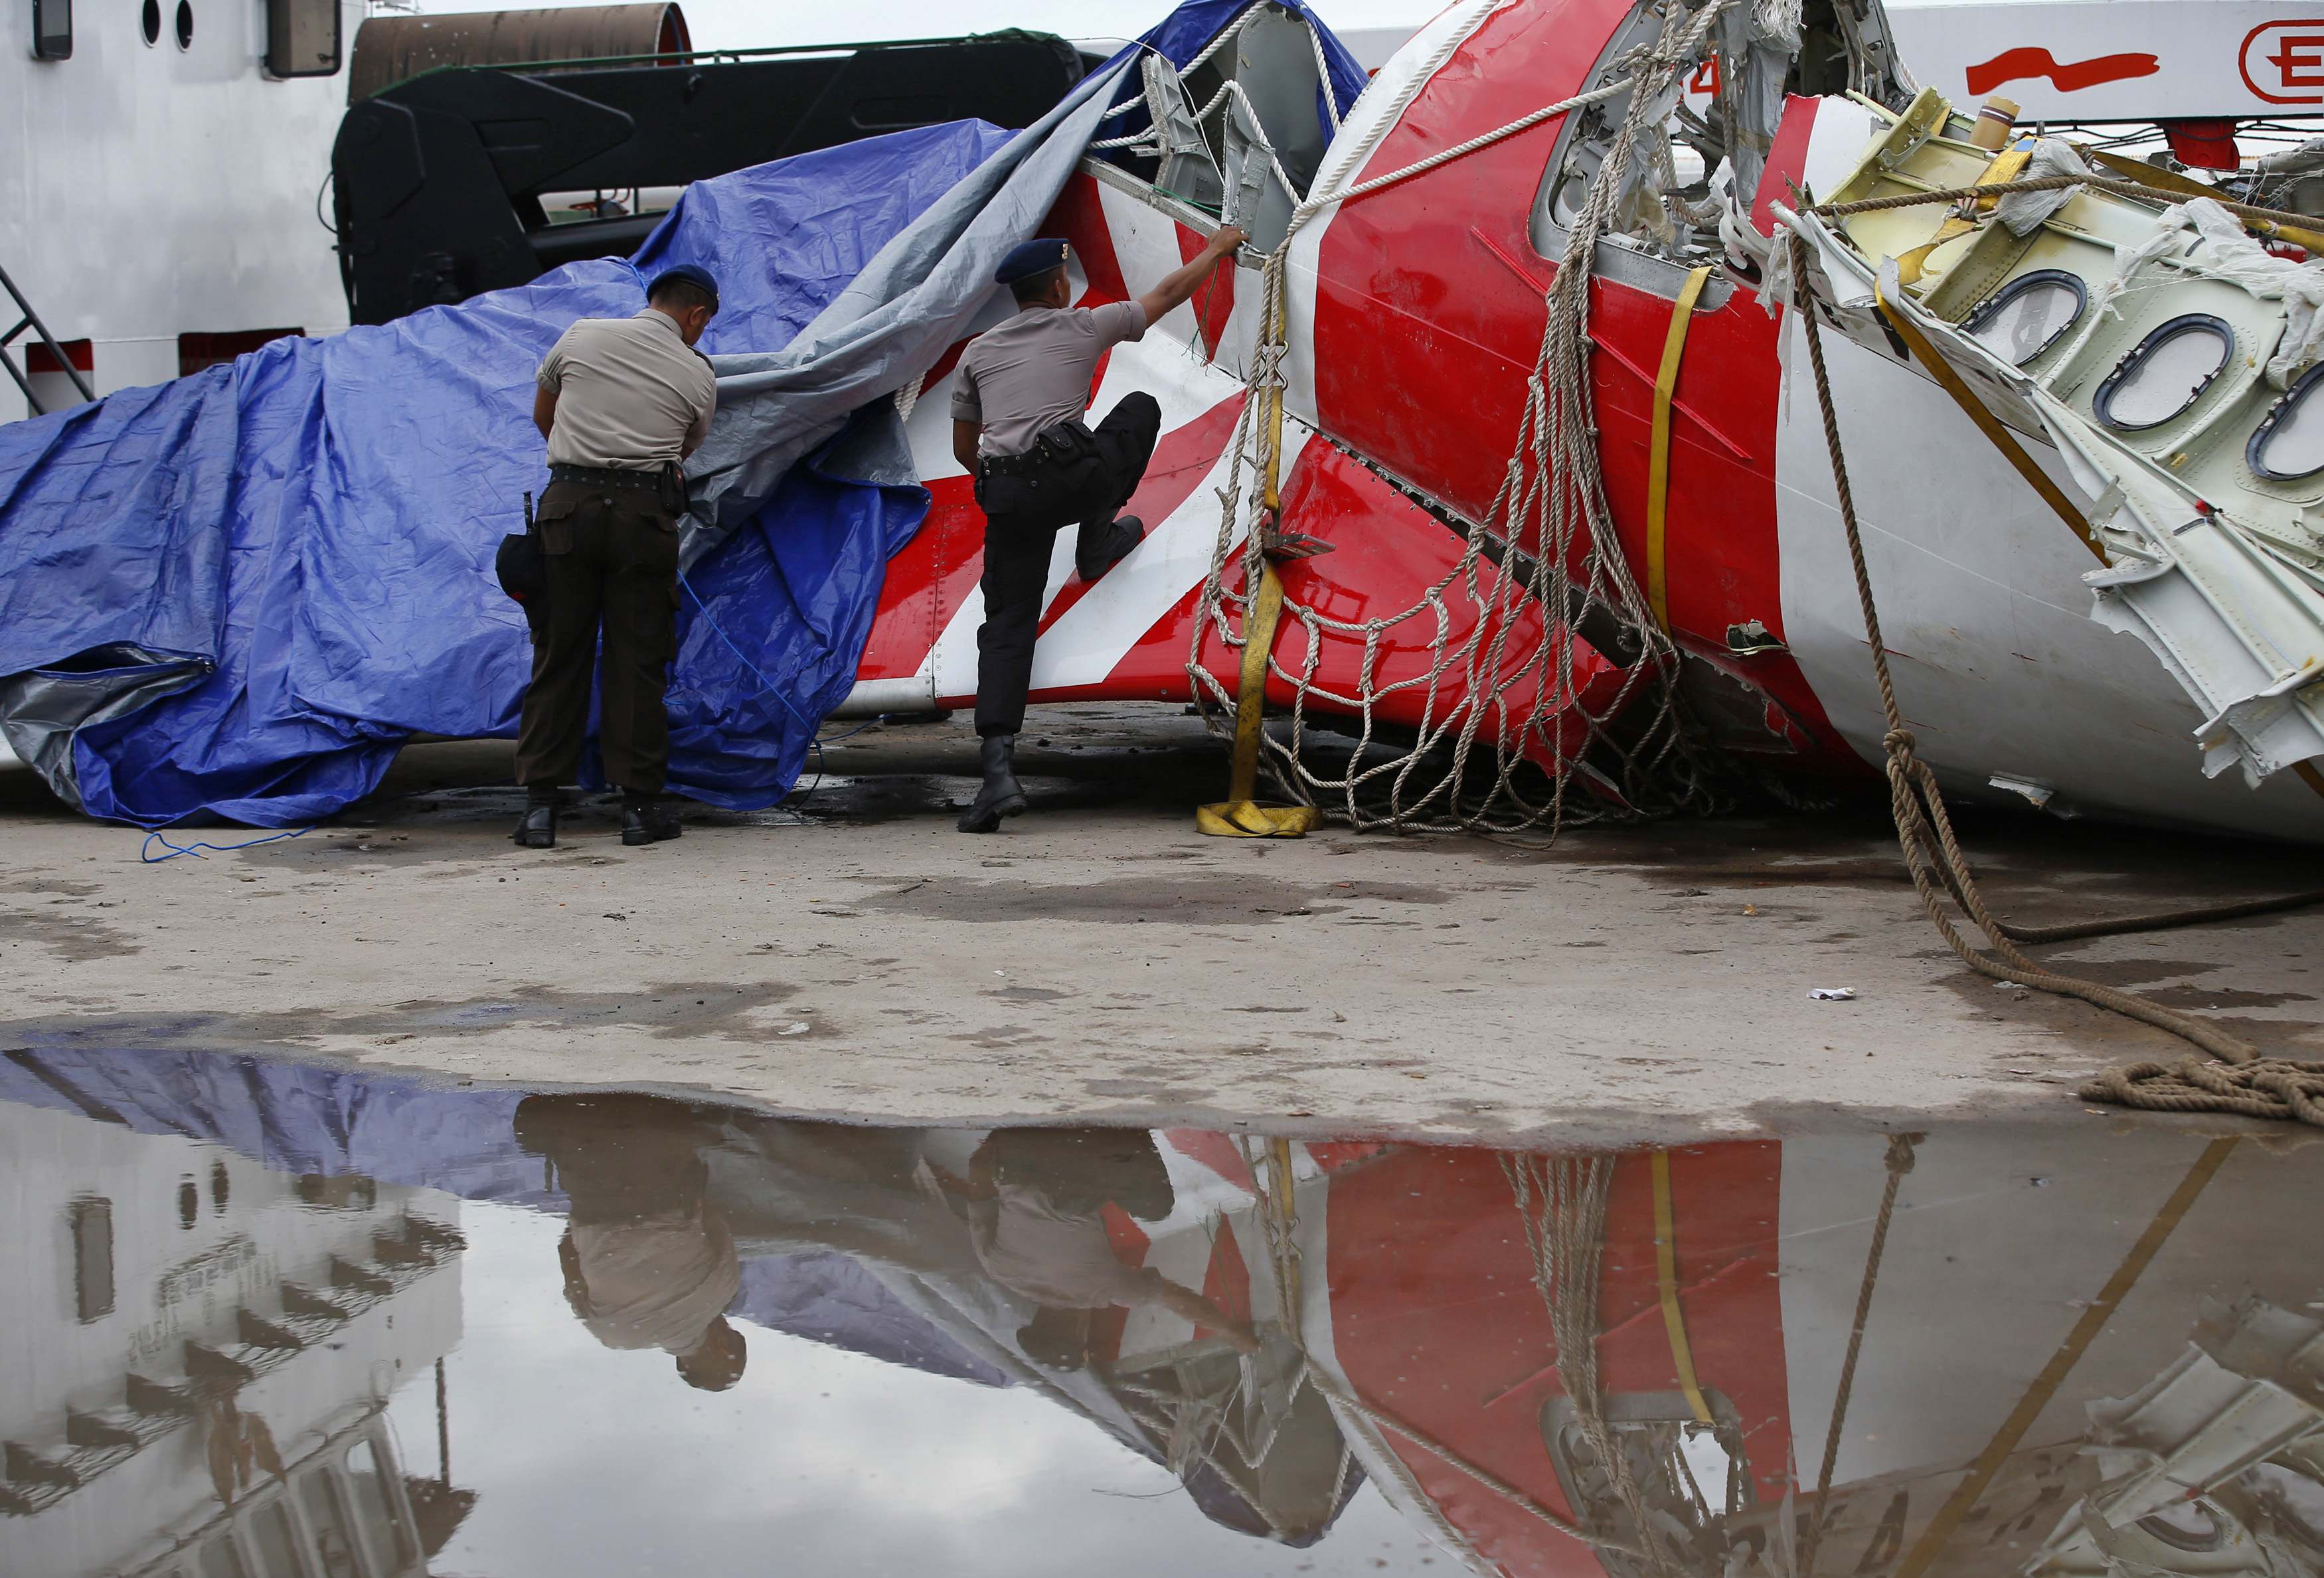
(149, 192)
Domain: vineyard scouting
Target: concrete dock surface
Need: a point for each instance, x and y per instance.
(850, 955)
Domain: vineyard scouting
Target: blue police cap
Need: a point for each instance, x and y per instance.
(689, 273)
(1037, 256)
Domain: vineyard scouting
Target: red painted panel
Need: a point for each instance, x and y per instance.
(1423, 336)
(926, 581)
(1429, 318)
(1388, 553)
(1214, 1150)
(80, 353)
(1226, 1280)
(1438, 1322)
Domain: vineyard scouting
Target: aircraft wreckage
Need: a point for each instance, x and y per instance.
(1499, 446)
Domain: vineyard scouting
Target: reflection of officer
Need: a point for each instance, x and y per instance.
(1035, 1199)
(1016, 409)
(621, 401)
(648, 1262)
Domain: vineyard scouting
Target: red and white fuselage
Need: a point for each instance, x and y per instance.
(1415, 315)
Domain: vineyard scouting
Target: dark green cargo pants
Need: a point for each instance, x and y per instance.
(611, 605)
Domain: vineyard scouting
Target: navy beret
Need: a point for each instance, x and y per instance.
(1034, 257)
(690, 275)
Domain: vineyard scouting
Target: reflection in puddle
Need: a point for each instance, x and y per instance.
(267, 1320)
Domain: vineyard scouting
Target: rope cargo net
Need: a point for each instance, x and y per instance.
(1501, 669)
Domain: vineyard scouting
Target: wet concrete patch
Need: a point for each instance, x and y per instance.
(1224, 899)
(62, 931)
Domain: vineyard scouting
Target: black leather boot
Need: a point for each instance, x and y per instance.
(648, 819)
(1127, 533)
(1001, 795)
(538, 828)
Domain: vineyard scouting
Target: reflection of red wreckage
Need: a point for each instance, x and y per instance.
(2065, 1361)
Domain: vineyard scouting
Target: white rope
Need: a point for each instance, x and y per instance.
(1249, 15)
(1525, 123)
(1561, 1203)
(1323, 79)
(1323, 75)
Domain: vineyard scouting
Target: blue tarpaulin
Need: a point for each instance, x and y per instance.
(236, 594)
(315, 524)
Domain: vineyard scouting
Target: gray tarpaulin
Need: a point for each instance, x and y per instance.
(916, 298)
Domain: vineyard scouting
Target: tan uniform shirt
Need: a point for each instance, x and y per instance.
(1034, 371)
(653, 1284)
(631, 393)
(1063, 1261)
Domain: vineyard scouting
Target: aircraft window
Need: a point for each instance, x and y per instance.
(92, 1241)
(52, 30)
(2025, 316)
(277, 1543)
(302, 38)
(2187, 1526)
(2166, 374)
(149, 22)
(374, 1507)
(2290, 444)
(334, 1541)
(185, 24)
(1666, 203)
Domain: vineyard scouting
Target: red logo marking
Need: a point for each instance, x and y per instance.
(2295, 50)
(2071, 77)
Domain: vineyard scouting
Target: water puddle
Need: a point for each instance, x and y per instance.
(271, 1321)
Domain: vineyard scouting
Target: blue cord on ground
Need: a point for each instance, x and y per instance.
(146, 856)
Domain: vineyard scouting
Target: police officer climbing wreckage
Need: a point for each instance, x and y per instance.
(621, 401)
(1018, 409)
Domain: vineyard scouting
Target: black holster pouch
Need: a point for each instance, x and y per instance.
(518, 564)
(1068, 444)
(671, 494)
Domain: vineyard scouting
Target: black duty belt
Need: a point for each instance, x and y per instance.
(607, 476)
(1059, 444)
(1024, 465)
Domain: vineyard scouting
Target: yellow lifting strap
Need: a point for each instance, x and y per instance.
(1667, 1277)
(1987, 423)
(1240, 816)
(1658, 453)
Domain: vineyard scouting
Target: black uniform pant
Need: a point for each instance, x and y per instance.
(1084, 483)
(610, 603)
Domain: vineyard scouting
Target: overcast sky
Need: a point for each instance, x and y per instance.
(734, 24)
(588, 1461)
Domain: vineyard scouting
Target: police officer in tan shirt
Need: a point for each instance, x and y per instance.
(1016, 410)
(621, 401)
